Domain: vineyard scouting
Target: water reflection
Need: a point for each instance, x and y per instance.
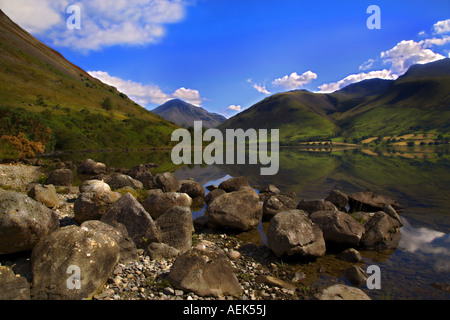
(426, 243)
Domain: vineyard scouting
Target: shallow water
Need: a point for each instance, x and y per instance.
(418, 178)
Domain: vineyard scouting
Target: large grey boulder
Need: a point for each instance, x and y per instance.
(45, 194)
(12, 287)
(176, 227)
(127, 211)
(338, 227)
(72, 263)
(158, 203)
(381, 232)
(92, 206)
(90, 166)
(23, 222)
(293, 233)
(205, 272)
(127, 248)
(240, 210)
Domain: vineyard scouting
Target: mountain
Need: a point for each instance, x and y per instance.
(40, 89)
(184, 114)
(417, 101)
(299, 115)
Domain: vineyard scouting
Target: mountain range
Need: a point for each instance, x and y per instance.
(47, 101)
(418, 101)
(184, 114)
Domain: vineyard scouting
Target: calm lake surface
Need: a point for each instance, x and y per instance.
(419, 178)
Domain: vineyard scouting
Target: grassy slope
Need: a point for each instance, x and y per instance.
(38, 79)
(299, 115)
(419, 101)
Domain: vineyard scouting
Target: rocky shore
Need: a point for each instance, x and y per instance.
(127, 234)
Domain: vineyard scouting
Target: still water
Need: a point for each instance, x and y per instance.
(418, 178)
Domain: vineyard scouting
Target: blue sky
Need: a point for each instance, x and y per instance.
(226, 55)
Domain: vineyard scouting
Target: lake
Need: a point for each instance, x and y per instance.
(419, 178)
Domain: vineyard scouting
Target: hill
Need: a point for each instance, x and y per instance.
(43, 94)
(417, 102)
(299, 115)
(184, 114)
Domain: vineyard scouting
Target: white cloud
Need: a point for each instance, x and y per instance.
(147, 94)
(428, 43)
(259, 88)
(295, 81)
(103, 22)
(34, 16)
(353, 78)
(188, 95)
(235, 108)
(367, 65)
(406, 53)
(441, 27)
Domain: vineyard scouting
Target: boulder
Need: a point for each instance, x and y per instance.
(267, 191)
(45, 194)
(127, 249)
(176, 227)
(92, 206)
(311, 206)
(342, 292)
(207, 273)
(94, 186)
(127, 211)
(338, 198)
(213, 194)
(233, 184)
(118, 181)
(161, 251)
(167, 182)
(192, 188)
(158, 203)
(350, 255)
(371, 202)
(381, 232)
(277, 203)
(72, 263)
(60, 177)
(89, 166)
(293, 233)
(240, 210)
(23, 222)
(393, 214)
(12, 287)
(356, 275)
(141, 172)
(338, 227)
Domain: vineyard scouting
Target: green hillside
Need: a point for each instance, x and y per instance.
(299, 115)
(417, 102)
(40, 88)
